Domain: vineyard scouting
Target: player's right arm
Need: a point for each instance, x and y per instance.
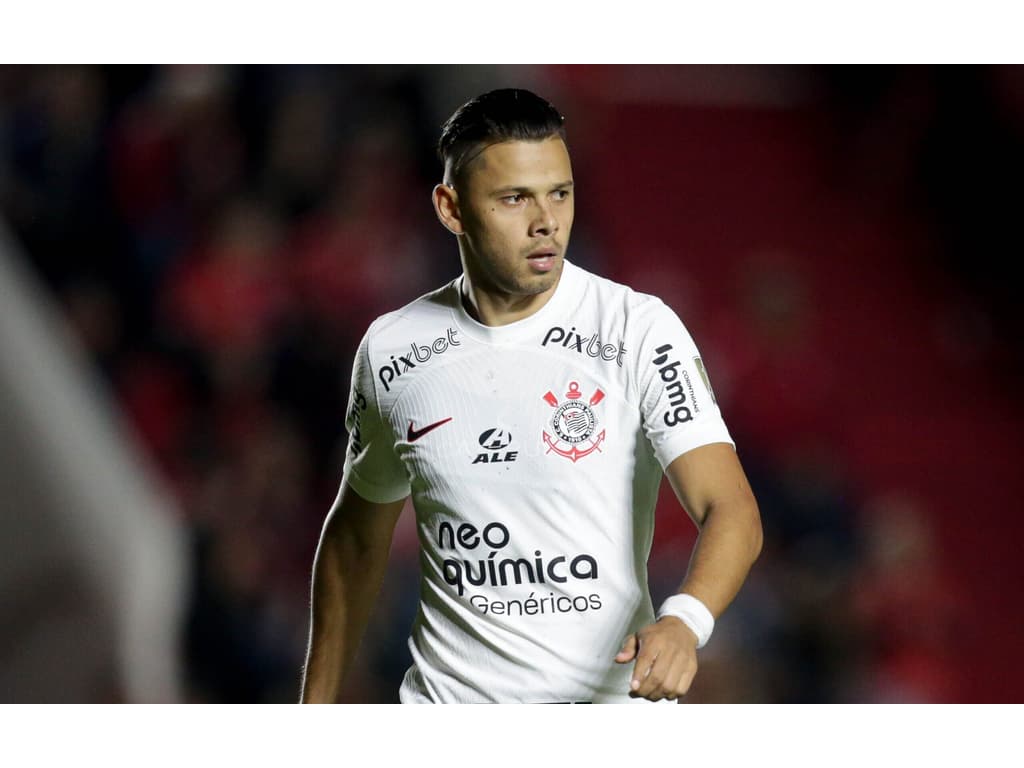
(347, 574)
(353, 551)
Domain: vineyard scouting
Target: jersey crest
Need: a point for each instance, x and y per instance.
(573, 424)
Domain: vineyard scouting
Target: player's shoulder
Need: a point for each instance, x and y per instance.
(420, 316)
(635, 309)
(397, 344)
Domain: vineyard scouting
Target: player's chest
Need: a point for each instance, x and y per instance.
(516, 415)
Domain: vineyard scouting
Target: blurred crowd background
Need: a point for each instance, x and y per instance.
(200, 248)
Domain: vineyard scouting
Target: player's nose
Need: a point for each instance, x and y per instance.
(544, 222)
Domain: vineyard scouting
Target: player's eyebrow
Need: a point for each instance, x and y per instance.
(521, 190)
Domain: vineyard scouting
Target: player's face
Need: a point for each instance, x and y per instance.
(516, 205)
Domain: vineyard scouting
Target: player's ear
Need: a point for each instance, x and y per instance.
(446, 206)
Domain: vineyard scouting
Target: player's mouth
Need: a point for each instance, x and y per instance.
(543, 259)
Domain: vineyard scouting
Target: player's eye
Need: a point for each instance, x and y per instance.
(561, 194)
(512, 199)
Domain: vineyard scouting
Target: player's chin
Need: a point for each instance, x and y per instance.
(542, 279)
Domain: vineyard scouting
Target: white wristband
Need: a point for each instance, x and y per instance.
(693, 613)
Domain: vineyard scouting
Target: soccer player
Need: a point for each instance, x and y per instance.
(529, 408)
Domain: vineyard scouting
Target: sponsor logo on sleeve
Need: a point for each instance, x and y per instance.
(675, 379)
(355, 414)
(418, 355)
(704, 377)
(592, 346)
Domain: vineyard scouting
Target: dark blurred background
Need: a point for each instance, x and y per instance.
(191, 254)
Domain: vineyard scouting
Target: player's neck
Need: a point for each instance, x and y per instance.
(495, 308)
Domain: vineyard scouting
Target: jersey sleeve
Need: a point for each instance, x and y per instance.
(372, 467)
(677, 403)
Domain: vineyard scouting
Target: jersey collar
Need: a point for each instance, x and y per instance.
(566, 288)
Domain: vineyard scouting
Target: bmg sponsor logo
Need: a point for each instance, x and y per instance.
(418, 353)
(677, 412)
(591, 346)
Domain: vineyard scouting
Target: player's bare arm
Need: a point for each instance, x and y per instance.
(711, 485)
(347, 575)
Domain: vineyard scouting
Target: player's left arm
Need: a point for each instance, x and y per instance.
(711, 485)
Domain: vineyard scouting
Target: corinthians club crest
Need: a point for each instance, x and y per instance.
(574, 423)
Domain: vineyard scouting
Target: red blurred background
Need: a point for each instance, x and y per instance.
(218, 239)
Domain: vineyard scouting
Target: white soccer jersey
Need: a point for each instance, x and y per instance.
(533, 452)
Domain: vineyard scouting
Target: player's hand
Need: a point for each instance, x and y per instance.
(666, 659)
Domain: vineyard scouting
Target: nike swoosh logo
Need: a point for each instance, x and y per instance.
(415, 434)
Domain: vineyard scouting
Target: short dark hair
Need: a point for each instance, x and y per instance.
(507, 114)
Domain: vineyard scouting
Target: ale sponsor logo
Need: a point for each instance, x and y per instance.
(493, 441)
